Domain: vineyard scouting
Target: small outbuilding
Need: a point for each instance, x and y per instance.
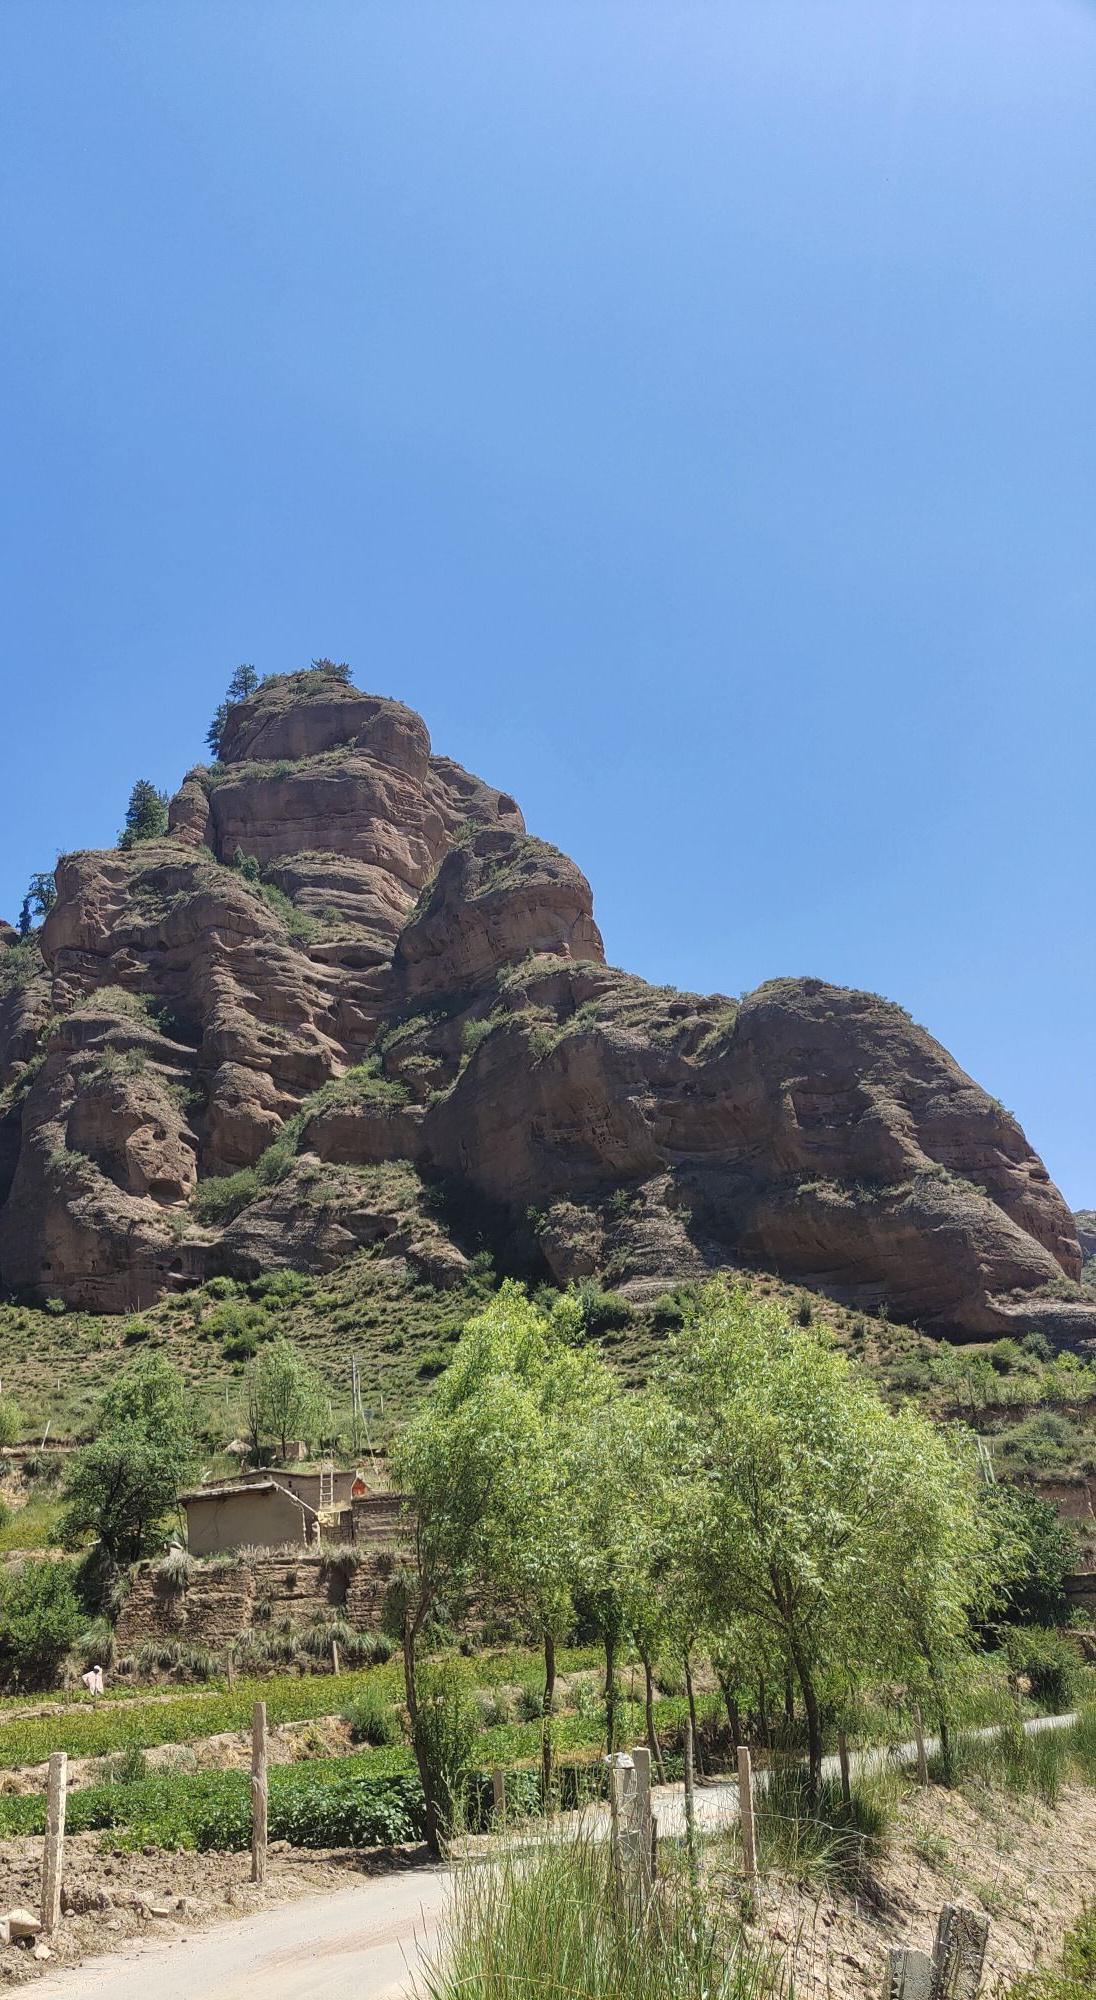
(253, 1511)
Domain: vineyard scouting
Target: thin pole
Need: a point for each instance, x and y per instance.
(746, 1813)
(922, 1758)
(259, 1794)
(843, 1761)
(690, 1802)
(53, 1852)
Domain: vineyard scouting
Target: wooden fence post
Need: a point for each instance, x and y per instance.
(258, 1793)
(53, 1852)
(498, 1792)
(746, 1814)
(919, 1735)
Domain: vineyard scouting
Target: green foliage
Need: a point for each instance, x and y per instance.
(39, 1620)
(840, 1534)
(123, 1485)
(1030, 1766)
(602, 1312)
(443, 1731)
(1042, 1551)
(552, 1923)
(372, 1719)
(1049, 1662)
(244, 682)
(12, 1421)
(146, 815)
(21, 963)
(284, 1398)
(839, 1840)
(328, 1803)
(224, 1196)
(39, 900)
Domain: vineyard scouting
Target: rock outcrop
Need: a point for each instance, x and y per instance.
(349, 1001)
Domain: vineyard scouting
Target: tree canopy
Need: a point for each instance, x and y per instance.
(285, 1399)
(244, 681)
(123, 1485)
(146, 814)
(847, 1533)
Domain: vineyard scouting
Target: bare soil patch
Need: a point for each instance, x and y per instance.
(1028, 1867)
(111, 1895)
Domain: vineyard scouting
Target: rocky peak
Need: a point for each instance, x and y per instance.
(348, 961)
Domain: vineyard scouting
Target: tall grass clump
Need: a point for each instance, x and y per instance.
(836, 1840)
(444, 1729)
(549, 1922)
(1033, 1765)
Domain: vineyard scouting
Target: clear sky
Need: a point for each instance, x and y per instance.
(688, 405)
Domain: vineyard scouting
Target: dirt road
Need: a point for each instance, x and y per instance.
(365, 1940)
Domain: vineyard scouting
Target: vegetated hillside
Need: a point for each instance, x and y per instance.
(346, 1002)
(1035, 1409)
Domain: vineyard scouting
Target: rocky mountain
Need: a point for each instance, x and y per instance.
(347, 954)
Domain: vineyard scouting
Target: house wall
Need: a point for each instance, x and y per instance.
(244, 1519)
(306, 1485)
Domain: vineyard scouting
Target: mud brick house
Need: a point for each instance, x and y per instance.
(271, 1509)
(255, 1511)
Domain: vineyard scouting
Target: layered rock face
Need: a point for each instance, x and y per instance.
(350, 970)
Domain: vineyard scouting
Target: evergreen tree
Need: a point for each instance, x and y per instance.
(146, 815)
(335, 670)
(39, 900)
(244, 681)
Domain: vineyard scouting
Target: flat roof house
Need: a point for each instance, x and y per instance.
(252, 1511)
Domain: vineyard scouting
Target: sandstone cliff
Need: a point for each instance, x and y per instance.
(348, 952)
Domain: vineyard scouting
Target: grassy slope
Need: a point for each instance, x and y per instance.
(57, 1364)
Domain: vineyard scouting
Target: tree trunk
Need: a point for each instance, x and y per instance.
(653, 1744)
(789, 1699)
(548, 1714)
(734, 1713)
(410, 1635)
(689, 1690)
(610, 1692)
(763, 1712)
(814, 1729)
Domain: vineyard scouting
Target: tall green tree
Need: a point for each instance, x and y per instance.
(39, 1620)
(39, 900)
(846, 1533)
(122, 1486)
(146, 815)
(1037, 1551)
(285, 1399)
(244, 682)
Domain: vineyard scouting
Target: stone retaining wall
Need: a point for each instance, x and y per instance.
(224, 1600)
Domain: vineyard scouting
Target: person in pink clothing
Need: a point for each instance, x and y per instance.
(93, 1680)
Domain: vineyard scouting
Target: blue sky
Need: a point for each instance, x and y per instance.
(689, 407)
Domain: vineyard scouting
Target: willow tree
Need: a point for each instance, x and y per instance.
(844, 1532)
(488, 1468)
